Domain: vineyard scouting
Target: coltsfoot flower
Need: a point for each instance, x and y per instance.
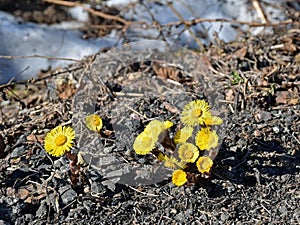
(173, 163)
(214, 120)
(206, 139)
(144, 142)
(195, 113)
(183, 135)
(157, 126)
(59, 140)
(179, 177)
(188, 152)
(204, 164)
(94, 122)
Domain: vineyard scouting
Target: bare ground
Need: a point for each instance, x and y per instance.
(255, 178)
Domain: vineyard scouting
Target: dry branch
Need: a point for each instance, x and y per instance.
(251, 24)
(94, 12)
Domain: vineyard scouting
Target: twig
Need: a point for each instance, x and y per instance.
(26, 82)
(144, 193)
(155, 22)
(199, 42)
(94, 12)
(252, 24)
(128, 107)
(37, 56)
(261, 13)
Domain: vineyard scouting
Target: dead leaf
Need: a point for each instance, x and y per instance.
(282, 97)
(285, 97)
(229, 95)
(66, 91)
(35, 138)
(293, 101)
(171, 108)
(297, 58)
(240, 53)
(23, 193)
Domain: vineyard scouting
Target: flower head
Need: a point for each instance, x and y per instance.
(59, 140)
(179, 177)
(214, 120)
(94, 122)
(157, 126)
(188, 152)
(206, 139)
(195, 112)
(168, 124)
(183, 135)
(173, 163)
(161, 157)
(204, 164)
(144, 143)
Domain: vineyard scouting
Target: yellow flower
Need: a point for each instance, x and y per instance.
(195, 113)
(183, 135)
(204, 164)
(168, 124)
(179, 177)
(188, 152)
(206, 139)
(214, 120)
(59, 140)
(161, 157)
(94, 122)
(157, 126)
(144, 143)
(173, 163)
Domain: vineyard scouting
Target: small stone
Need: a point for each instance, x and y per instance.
(67, 194)
(256, 133)
(173, 211)
(17, 152)
(97, 188)
(203, 217)
(224, 216)
(276, 129)
(2, 222)
(42, 210)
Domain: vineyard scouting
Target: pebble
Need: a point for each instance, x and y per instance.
(97, 188)
(42, 210)
(2, 222)
(276, 129)
(17, 152)
(67, 194)
(224, 216)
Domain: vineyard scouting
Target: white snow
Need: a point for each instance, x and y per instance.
(61, 40)
(28, 39)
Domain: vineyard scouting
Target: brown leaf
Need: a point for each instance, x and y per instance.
(35, 138)
(66, 91)
(170, 72)
(286, 97)
(229, 95)
(171, 108)
(240, 53)
(23, 193)
(282, 97)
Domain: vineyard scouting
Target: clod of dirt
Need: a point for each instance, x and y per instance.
(2, 147)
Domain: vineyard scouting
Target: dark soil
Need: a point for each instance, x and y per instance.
(256, 174)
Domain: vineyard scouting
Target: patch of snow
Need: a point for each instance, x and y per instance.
(60, 40)
(241, 10)
(28, 39)
(79, 14)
